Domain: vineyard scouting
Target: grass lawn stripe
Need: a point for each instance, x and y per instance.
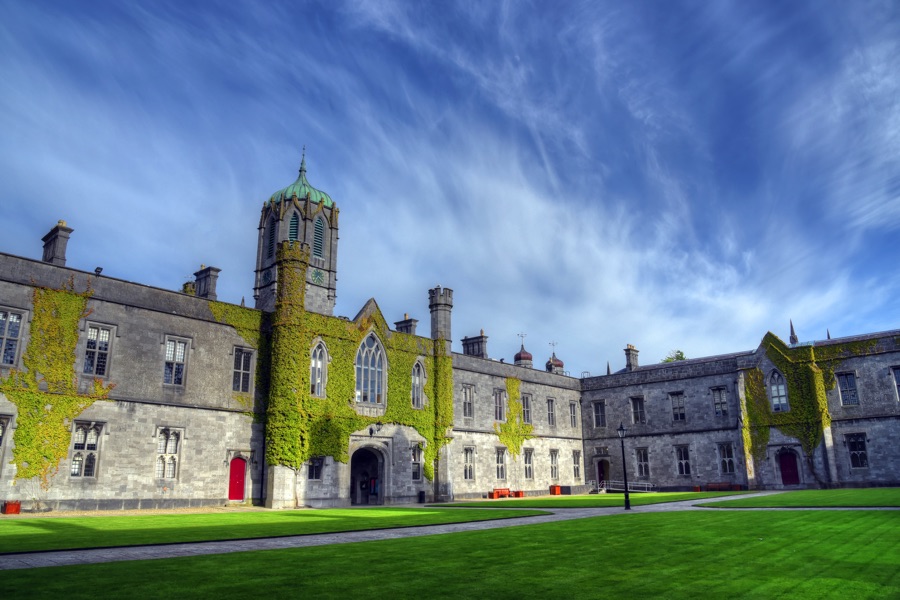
(797, 554)
(840, 498)
(62, 533)
(594, 500)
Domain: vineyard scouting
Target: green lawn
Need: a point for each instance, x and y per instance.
(58, 533)
(594, 500)
(715, 554)
(849, 498)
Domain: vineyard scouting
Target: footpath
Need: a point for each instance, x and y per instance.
(30, 560)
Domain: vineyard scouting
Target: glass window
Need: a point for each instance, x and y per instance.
(643, 462)
(418, 386)
(529, 463)
(370, 371)
(677, 399)
(600, 413)
(573, 415)
(554, 464)
(468, 401)
(637, 411)
(499, 405)
(526, 408)
(726, 457)
(847, 385)
(168, 442)
(416, 462)
(856, 445)
(240, 381)
(551, 412)
(10, 330)
(682, 457)
(84, 449)
(501, 463)
(469, 464)
(720, 401)
(896, 371)
(176, 351)
(314, 471)
(576, 464)
(317, 371)
(96, 352)
(778, 392)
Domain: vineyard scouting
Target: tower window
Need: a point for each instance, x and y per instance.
(319, 238)
(270, 251)
(294, 228)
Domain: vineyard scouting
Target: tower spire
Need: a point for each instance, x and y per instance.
(303, 162)
(794, 338)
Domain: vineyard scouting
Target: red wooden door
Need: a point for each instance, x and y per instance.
(236, 479)
(601, 472)
(790, 475)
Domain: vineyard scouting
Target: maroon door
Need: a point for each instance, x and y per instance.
(789, 473)
(601, 472)
(236, 479)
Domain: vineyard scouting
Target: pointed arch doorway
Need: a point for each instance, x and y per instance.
(366, 477)
(787, 464)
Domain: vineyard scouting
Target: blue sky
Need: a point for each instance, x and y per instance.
(665, 174)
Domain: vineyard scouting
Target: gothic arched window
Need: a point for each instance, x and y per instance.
(319, 238)
(418, 385)
(778, 392)
(317, 370)
(370, 371)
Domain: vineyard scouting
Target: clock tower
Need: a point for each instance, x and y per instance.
(299, 213)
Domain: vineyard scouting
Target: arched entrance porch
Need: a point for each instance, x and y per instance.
(367, 477)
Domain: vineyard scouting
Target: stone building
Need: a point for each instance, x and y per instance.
(118, 395)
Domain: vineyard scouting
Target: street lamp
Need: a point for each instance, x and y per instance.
(621, 431)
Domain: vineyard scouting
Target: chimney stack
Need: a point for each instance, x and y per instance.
(407, 325)
(55, 244)
(475, 345)
(205, 282)
(631, 358)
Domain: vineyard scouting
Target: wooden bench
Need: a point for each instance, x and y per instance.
(499, 493)
(721, 486)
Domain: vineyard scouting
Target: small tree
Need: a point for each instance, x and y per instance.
(674, 355)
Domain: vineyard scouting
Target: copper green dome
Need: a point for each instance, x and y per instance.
(300, 189)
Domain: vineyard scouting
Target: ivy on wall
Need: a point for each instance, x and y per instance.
(809, 374)
(254, 328)
(514, 431)
(46, 392)
(300, 425)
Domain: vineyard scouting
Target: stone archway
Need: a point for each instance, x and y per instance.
(367, 477)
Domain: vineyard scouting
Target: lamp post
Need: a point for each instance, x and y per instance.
(621, 431)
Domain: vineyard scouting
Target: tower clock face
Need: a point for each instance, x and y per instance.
(318, 277)
(267, 276)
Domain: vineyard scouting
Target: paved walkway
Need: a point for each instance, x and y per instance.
(31, 560)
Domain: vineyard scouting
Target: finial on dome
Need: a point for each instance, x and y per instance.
(303, 161)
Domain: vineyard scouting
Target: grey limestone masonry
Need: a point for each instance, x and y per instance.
(199, 441)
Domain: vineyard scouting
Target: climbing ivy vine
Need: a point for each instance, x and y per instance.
(514, 431)
(46, 392)
(809, 374)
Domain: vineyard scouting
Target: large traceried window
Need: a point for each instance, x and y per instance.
(370, 371)
(778, 392)
(10, 330)
(85, 449)
(168, 443)
(317, 371)
(418, 386)
(318, 249)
